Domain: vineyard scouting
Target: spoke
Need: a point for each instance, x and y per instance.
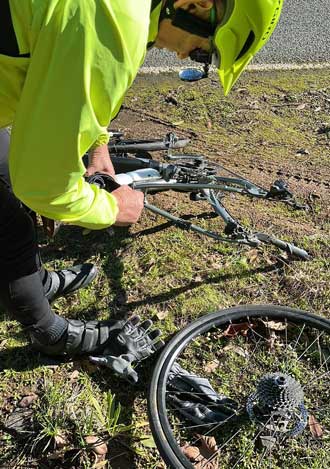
(314, 341)
(298, 338)
(216, 426)
(194, 393)
(252, 443)
(317, 378)
(219, 449)
(213, 429)
(261, 338)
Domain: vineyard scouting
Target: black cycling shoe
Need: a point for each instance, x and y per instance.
(66, 281)
(80, 338)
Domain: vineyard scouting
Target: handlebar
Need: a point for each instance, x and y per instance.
(285, 246)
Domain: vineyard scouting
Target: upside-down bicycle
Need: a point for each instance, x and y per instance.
(203, 180)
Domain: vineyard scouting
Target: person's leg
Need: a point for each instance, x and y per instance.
(4, 153)
(21, 289)
(22, 292)
(56, 283)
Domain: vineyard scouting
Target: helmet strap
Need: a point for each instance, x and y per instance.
(187, 21)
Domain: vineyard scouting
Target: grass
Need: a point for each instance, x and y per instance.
(158, 271)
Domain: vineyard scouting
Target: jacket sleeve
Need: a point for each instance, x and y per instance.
(79, 71)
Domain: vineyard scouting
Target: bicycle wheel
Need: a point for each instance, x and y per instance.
(246, 387)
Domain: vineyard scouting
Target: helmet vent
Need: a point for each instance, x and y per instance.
(248, 43)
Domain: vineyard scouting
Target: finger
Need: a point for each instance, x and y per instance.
(158, 345)
(132, 377)
(146, 324)
(134, 320)
(102, 361)
(154, 334)
(89, 171)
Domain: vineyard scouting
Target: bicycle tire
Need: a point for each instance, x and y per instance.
(159, 423)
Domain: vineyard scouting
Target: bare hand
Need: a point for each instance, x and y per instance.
(99, 162)
(130, 205)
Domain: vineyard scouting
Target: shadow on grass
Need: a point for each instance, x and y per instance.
(23, 358)
(207, 280)
(169, 224)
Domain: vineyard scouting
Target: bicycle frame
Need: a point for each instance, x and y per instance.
(192, 174)
(195, 175)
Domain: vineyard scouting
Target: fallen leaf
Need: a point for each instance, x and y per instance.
(252, 255)
(272, 340)
(162, 314)
(315, 427)
(191, 452)
(209, 446)
(20, 421)
(3, 343)
(235, 329)
(275, 325)
(301, 106)
(178, 123)
(26, 401)
(239, 350)
(60, 441)
(148, 441)
(96, 444)
(204, 455)
(74, 376)
(211, 366)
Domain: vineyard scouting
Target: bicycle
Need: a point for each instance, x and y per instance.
(246, 387)
(203, 180)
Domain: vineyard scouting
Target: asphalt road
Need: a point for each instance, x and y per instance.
(302, 36)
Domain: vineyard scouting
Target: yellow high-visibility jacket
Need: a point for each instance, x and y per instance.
(84, 55)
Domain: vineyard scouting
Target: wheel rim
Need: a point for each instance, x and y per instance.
(304, 340)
